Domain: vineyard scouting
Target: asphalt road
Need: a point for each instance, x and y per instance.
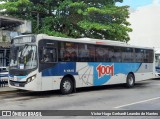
(144, 96)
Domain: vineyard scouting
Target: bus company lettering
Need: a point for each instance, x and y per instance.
(105, 70)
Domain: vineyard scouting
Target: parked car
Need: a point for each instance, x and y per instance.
(4, 74)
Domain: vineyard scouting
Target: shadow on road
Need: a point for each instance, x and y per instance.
(81, 90)
(56, 93)
(156, 79)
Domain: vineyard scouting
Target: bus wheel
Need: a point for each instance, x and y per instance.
(66, 86)
(130, 81)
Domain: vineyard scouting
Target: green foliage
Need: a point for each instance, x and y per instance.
(73, 18)
(4, 38)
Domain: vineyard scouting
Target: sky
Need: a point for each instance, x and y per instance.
(145, 23)
(134, 4)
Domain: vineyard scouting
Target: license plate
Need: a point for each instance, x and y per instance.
(15, 78)
(16, 84)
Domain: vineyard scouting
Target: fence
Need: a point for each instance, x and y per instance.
(4, 57)
(3, 83)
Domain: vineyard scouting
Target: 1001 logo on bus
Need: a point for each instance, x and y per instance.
(105, 70)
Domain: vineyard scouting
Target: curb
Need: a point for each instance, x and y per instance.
(7, 92)
(6, 89)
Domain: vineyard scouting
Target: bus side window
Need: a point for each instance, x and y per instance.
(127, 54)
(91, 49)
(102, 54)
(83, 53)
(150, 56)
(48, 55)
(117, 54)
(145, 56)
(68, 51)
(139, 55)
(111, 54)
(53, 55)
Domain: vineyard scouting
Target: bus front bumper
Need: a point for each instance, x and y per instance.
(23, 85)
(157, 75)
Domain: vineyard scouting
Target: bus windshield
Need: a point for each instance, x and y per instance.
(157, 60)
(23, 57)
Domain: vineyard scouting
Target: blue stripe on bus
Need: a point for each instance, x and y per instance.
(64, 68)
(119, 68)
(61, 69)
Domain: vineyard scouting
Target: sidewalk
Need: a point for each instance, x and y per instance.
(7, 89)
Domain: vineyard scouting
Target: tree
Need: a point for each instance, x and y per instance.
(73, 18)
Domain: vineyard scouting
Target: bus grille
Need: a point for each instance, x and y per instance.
(17, 84)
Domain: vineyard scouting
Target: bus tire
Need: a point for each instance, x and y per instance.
(66, 86)
(130, 81)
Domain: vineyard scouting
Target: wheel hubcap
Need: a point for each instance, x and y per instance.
(131, 81)
(67, 85)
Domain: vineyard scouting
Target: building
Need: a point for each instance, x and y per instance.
(8, 28)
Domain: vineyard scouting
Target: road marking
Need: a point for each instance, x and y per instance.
(154, 84)
(137, 102)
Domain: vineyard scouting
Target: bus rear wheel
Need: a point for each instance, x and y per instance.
(66, 86)
(130, 81)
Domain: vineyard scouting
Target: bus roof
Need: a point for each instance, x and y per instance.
(86, 40)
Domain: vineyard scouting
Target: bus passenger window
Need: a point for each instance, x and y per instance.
(68, 51)
(117, 54)
(49, 55)
(150, 56)
(139, 55)
(83, 53)
(127, 54)
(102, 54)
(91, 50)
(111, 55)
(145, 56)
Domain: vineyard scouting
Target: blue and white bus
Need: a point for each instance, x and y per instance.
(157, 63)
(41, 62)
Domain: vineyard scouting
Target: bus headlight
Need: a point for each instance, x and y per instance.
(31, 78)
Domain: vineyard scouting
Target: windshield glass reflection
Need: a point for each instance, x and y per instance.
(23, 57)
